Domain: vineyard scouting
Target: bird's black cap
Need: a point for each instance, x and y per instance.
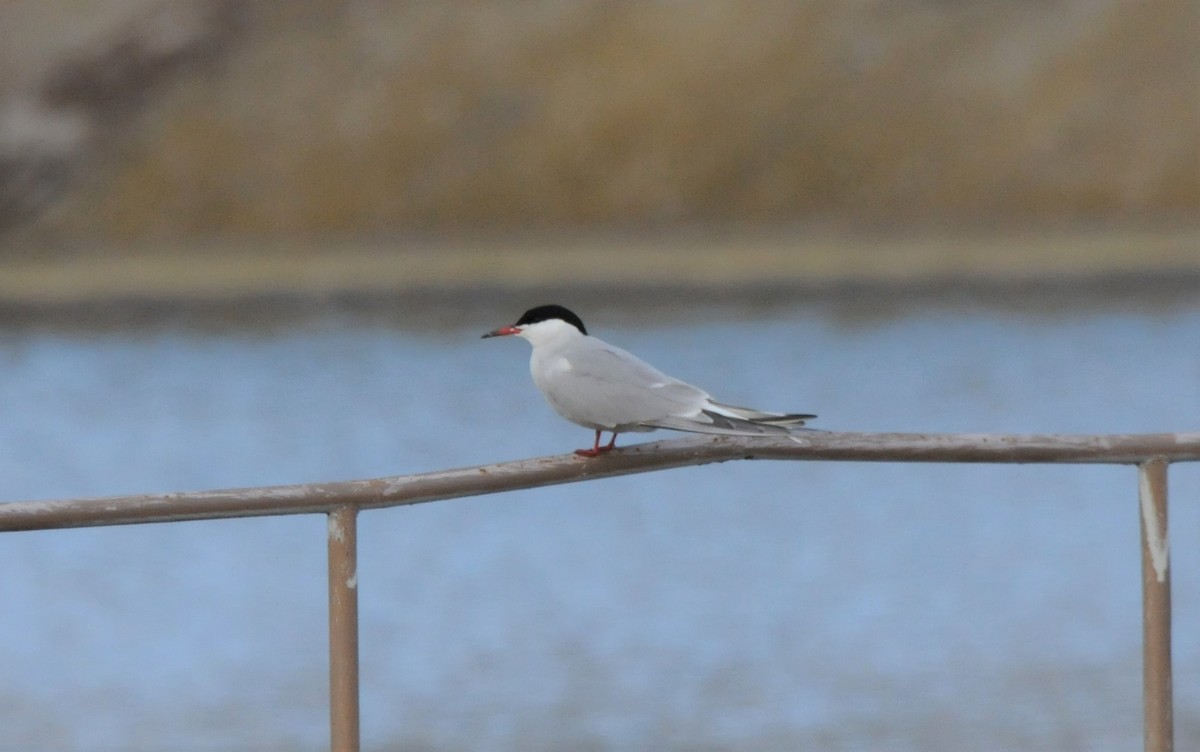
(547, 312)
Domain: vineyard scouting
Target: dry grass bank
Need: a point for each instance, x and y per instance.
(344, 117)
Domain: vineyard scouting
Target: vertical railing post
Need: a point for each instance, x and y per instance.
(1156, 608)
(343, 629)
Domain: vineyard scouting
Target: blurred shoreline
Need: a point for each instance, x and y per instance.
(275, 279)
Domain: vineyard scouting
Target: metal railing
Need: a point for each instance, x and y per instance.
(1152, 453)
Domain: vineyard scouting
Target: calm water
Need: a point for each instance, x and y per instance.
(753, 606)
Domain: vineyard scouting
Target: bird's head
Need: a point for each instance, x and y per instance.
(543, 323)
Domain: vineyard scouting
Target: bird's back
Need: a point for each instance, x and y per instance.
(603, 387)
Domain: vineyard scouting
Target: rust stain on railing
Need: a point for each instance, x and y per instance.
(342, 502)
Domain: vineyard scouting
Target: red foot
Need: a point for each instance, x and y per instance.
(598, 450)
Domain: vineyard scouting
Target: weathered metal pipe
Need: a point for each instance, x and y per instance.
(343, 630)
(342, 502)
(1158, 705)
(567, 468)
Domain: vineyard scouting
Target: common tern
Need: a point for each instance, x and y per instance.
(604, 388)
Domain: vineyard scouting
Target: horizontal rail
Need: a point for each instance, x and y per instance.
(568, 468)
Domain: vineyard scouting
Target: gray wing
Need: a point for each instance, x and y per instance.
(607, 386)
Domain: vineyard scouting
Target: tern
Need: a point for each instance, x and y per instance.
(604, 388)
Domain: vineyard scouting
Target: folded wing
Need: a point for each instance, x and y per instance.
(606, 387)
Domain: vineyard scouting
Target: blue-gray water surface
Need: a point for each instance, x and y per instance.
(748, 606)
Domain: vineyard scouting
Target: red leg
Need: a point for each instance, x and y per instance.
(596, 449)
(593, 452)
